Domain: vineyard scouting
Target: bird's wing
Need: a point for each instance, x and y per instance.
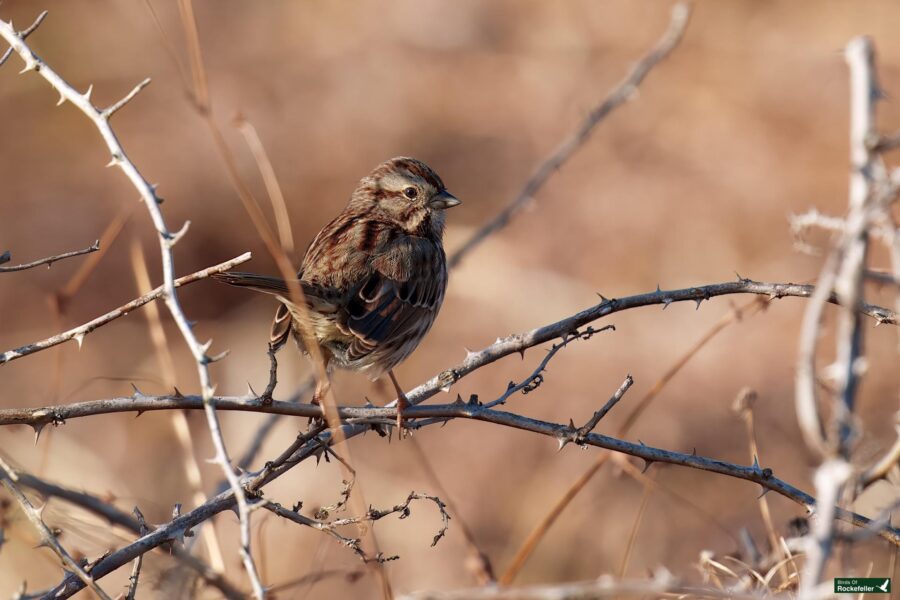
(399, 297)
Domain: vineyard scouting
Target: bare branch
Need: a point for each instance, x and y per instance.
(884, 142)
(78, 333)
(23, 34)
(114, 516)
(534, 381)
(618, 96)
(613, 400)
(871, 189)
(8, 479)
(512, 344)
(310, 444)
(136, 571)
(884, 466)
(167, 240)
(371, 515)
(49, 260)
(111, 110)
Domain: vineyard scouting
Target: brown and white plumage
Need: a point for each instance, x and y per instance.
(374, 278)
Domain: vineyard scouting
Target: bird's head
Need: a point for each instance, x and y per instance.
(408, 192)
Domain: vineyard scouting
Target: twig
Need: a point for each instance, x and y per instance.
(884, 465)
(167, 240)
(844, 270)
(632, 536)
(543, 526)
(8, 479)
(613, 400)
(534, 381)
(884, 142)
(136, 571)
(23, 34)
(310, 444)
(743, 406)
(371, 515)
(480, 562)
(50, 259)
(474, 360)
(267, 171)
(180, 424)
(78, 333)
(618, 96)
(114, 516)
(300, 450)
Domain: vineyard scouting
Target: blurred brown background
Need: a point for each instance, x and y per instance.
(745, 124)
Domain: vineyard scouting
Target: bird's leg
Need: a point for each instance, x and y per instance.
(273, 375)
(322, 387)
(402, 403)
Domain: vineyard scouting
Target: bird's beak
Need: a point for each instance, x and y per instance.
(443, 200)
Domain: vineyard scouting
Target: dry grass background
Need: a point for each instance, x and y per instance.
(744, 124)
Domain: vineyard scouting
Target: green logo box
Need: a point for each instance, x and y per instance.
(859, 585)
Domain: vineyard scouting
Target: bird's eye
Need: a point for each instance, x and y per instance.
(410, 192)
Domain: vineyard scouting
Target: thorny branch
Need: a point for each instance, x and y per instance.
(167, 240)
(872, 190)
(46, 261)
(619, 95)
(372, 515)
(565, 329)
(8, 479)
(106, 510)
(534, 381)
(78, 333)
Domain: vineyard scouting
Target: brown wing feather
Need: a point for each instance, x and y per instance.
(396, 304)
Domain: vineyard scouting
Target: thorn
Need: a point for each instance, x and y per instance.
(114, 160)
(218, 357)
(657, 289)
(80, 339)
(666, 303)
(562, 441)
(522, 353)
(755, 465)
(204, 348)
(740, 279)
(137, 393)
(250, 391)
(469, 354)
(61, 100)
(177, 393)
(458, 400)
(87, 94)
(38, 428)
(699, 301)
(602, 297)
(174, 238)
(647, 464)
(765, 491)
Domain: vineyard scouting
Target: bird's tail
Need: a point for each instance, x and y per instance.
(258, 283)
(319, 300)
